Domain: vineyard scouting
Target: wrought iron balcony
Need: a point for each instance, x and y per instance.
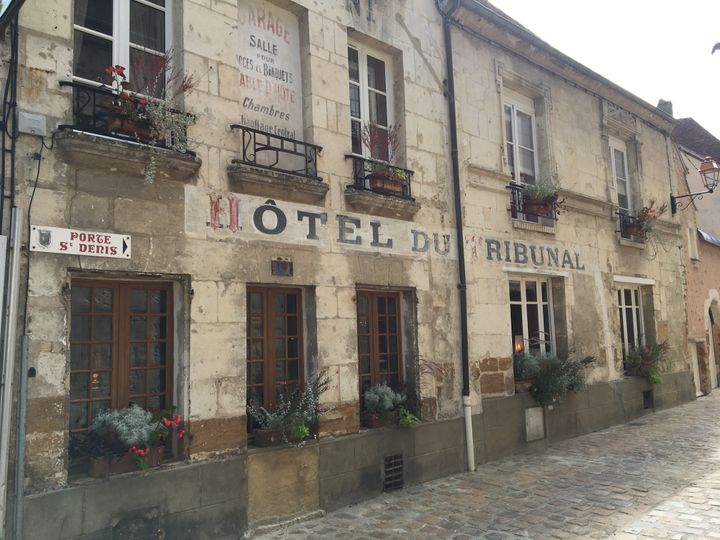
(631, 227)
(531, 210)
(380, 177)
(96, 110)
(276, 153)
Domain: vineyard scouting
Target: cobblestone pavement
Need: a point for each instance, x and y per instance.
(657, 477)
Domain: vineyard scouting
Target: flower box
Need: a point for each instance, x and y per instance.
(268, 437)
(523, 386)
(537, 207)
(378, 420)
(102, 466)
(385, 183)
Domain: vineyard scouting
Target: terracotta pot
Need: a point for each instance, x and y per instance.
(385, 183)
(378, 420)
(634, 229)
(268, 437)
(523, 386)
(536, 207)
(105, 465)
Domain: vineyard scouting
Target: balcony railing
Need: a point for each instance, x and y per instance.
(380, 177)
(530, 210)
(276, 153)
(631, 227)
(96, 110)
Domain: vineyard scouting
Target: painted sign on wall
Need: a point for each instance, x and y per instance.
(236, 216)
(270, 73)
(522, 253)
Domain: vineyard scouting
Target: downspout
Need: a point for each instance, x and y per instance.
(459, 236)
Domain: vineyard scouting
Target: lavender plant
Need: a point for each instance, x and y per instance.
(381, 399)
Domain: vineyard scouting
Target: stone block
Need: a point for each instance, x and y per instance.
(91, 212)
(494, 384)
(489, 365)
(294, 487)
(223, 480)
(430, 466)
(224, 521)
(343, 418)
(221, 435)
(232, 302)
(53, 516)
(354, 486)
(204, 302)
(433, 437)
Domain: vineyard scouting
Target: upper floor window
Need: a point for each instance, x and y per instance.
(621, 177)
(131, 33)
(632, 331)
(520, 137)
(371, 100)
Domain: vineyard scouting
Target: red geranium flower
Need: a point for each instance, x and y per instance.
(180, 433)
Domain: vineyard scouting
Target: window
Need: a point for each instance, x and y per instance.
(618, 155)
(531, 315)
(520, 138)
(632, 333)
(379, 339)
(274, 343)
(131, 33)
(121, 348)
(370, 100)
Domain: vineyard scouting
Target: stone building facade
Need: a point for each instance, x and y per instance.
(270, 252)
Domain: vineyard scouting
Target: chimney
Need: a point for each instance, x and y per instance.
(665, 106)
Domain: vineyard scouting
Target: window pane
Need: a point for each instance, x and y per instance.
(356, 137)
(79, 357)
(382, 325)
(531, 291)
(292, 348)
(630, 326)
(256, 373)
(96, 15)
(91, 55)
(619, 163)
(364, 344)
(279, 325)
(381, 305)
(102, 328)
(256, 327)
(156, 403)
(138, 328)
(80, 299)
(98, 407)
(628, 297)
(255, 303)
(279, 348)
(138, 354)
(79, 385)
(544, 288)
(353, 65)
(147, 26)
(508, 124)
(524, 126)
(533, 324)
(102, 300)
(158, 301)
(515, 294)
(256, 349)
(80, 328)
(546, 327)
(158, 327)
(138, 300)
(393, 344)
(280, 371)
(527, 166)
(383, 344)
(279, 302)
(147, 73)
(100, 384)
(376, 73)
(378, 108)
(364, 364)
(157, 381)
(292, 304)
(78, 415)
(354, 101)
(102, 356)
(292, 372)
(391, 306)
(392, 325)
(137, 381)
(158, 354)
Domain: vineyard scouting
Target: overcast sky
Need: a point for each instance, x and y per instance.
(654, 49)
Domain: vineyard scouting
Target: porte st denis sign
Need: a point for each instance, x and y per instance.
(74, 242)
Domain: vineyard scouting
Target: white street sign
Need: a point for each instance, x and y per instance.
(74, 242)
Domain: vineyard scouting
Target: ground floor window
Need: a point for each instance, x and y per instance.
(379, 339)
(531, 315)
(121, 348)
(274, 343)
(632, 331)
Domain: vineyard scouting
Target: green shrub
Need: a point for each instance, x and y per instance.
(556, 378)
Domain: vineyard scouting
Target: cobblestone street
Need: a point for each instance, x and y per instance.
(657, 477)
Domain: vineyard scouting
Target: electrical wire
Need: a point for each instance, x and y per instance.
(29, 229)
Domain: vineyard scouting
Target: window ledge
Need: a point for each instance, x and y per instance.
(276, 184)
(90, 151)
(381, 205)
(530, 226)
(631, 243)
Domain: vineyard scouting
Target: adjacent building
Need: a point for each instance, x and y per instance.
(272, 250)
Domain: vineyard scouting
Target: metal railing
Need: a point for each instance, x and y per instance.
(528, 210)
(96, 110)
(276, 153)
(631, 227)
(381, 177)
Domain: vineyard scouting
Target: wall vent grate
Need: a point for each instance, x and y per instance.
(393, 472)
(648, 399)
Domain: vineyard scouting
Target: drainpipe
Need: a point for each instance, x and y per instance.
(447, 8)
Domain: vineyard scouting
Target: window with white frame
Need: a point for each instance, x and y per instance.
(621, 177)
(132, 33)
(632, 331)
(531, 315)
(520, 137)
(371, 100)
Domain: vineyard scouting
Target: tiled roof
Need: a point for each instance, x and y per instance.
(691, 135)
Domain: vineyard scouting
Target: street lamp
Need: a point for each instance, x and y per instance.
(710, 174)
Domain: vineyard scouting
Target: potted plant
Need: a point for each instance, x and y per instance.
(406, 419)
(525, 369)
(645, 219)
(293, 419)
(150, 113)
(122, 440)
(556, 378)
(381, 404)
(540, 198)
(383, 144)
(647, 360)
